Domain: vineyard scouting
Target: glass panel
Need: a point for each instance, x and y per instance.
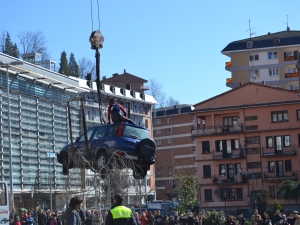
(271, 167)
(274, 117)
(280, 117)
(287, 141)
(278, 143)
(270, 142)
(228, 146)
(279, 168)
(285, 117)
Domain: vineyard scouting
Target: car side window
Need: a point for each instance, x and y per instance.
(89, 134)
(112, 130)
(98, 133)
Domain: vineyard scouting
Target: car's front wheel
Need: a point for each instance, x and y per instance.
(101, 161)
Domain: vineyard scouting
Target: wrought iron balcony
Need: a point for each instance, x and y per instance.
(235, 154)
(224, 180)
(289, 58)
(270, 152)
(214, 130)
(281, 177)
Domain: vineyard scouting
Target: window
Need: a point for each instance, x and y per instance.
(249, 118)
(272, 55)
(254, 165)
(157, 121)
(168, 130)
(205, 147)
(158, 131)
(278, 143)
(222, 170)
(288, 165)
(278, 117)
(170, 169)
(230, 121)
(208, 194)
(271, 167)
(169, 140)
(279, 168)
(252, 140)
(254, 74)
(298, 115)
(219, 146)
(160, 183)
(298, 139)
(206, 171)
(253, 127)
(273, 72)
(253, 151)
(158, 142)
(286, 139)
(168, 120)
(239, 193)
(159, 171)
(253, 57)
(249, 44)
(292, 70)
(231, 194)
(269, 142)
(238, 169)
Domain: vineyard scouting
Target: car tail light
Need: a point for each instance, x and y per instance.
(120, 153)
(120, 130)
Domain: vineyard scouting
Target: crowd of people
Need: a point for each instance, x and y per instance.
(89, 217)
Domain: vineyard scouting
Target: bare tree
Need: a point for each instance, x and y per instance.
(86, 66)
(171, 102)
(33, 41)
(2, 38)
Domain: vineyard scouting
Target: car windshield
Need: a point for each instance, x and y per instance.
(135, 132)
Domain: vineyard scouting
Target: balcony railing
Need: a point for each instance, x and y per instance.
(290, 75)
(228, 80)
(270, 152)
(281, 177)
(289, 58)
(223, 180)
(219, 129)
(227, 64)
(235, 154)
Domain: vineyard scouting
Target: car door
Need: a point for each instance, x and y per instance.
(97, 140)
(81, 147)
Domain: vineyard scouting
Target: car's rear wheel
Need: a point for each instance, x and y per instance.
(147, 148)
(140, 172)
(101, 161)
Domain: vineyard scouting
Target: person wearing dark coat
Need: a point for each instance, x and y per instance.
(71, 216)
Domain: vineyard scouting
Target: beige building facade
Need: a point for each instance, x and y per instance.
(247, 142)
(269, 59)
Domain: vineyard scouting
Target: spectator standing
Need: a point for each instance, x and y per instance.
(229, 221)
(54, 221)
(41, 217)
(150, 219)
(143, 219)
(255, 217)
(29, 219)
(277, 217)
(71, 216)
(241, 219)
(292, 220)
(158, 219)
(172, 220)
(17, 222)
(267, 221)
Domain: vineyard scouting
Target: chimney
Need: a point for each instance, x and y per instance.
(269, 33)
(288, 29)
(124, 70)
(263, 82)
(241, 83)
(104, 77)
(115, 74)
(88, 76)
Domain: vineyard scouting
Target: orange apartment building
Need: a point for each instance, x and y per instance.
(247, 142)
(176, 150)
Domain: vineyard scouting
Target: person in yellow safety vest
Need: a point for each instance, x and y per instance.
(119, 214)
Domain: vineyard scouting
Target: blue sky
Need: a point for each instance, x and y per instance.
(177, 42)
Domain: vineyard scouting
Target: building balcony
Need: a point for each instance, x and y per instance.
(215, 130)
(270, 152)
(236, 154)
(224, 180)
(227, 64)
(290, 75)
(144, 88)
(281, 177)
(289, 58)
(228, 80)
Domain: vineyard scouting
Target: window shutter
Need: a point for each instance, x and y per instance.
(232, 144)
(217, 146)
(295, 55)
(284, 55)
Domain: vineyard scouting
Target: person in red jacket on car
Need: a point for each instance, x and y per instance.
(117, 113)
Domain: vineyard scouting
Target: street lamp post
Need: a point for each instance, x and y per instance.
(9, 129)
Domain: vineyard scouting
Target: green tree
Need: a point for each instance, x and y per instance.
(186, 189)
(63, 65)
(276, 206)
(214, 218)
(73, 66)
(289, 190)
(10, 48)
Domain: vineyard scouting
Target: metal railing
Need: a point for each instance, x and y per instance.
(219, 129)
(281, 177)
(269, 152)
(235, 154)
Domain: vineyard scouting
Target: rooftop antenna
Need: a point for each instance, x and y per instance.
(287, 22)
(250, 30)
